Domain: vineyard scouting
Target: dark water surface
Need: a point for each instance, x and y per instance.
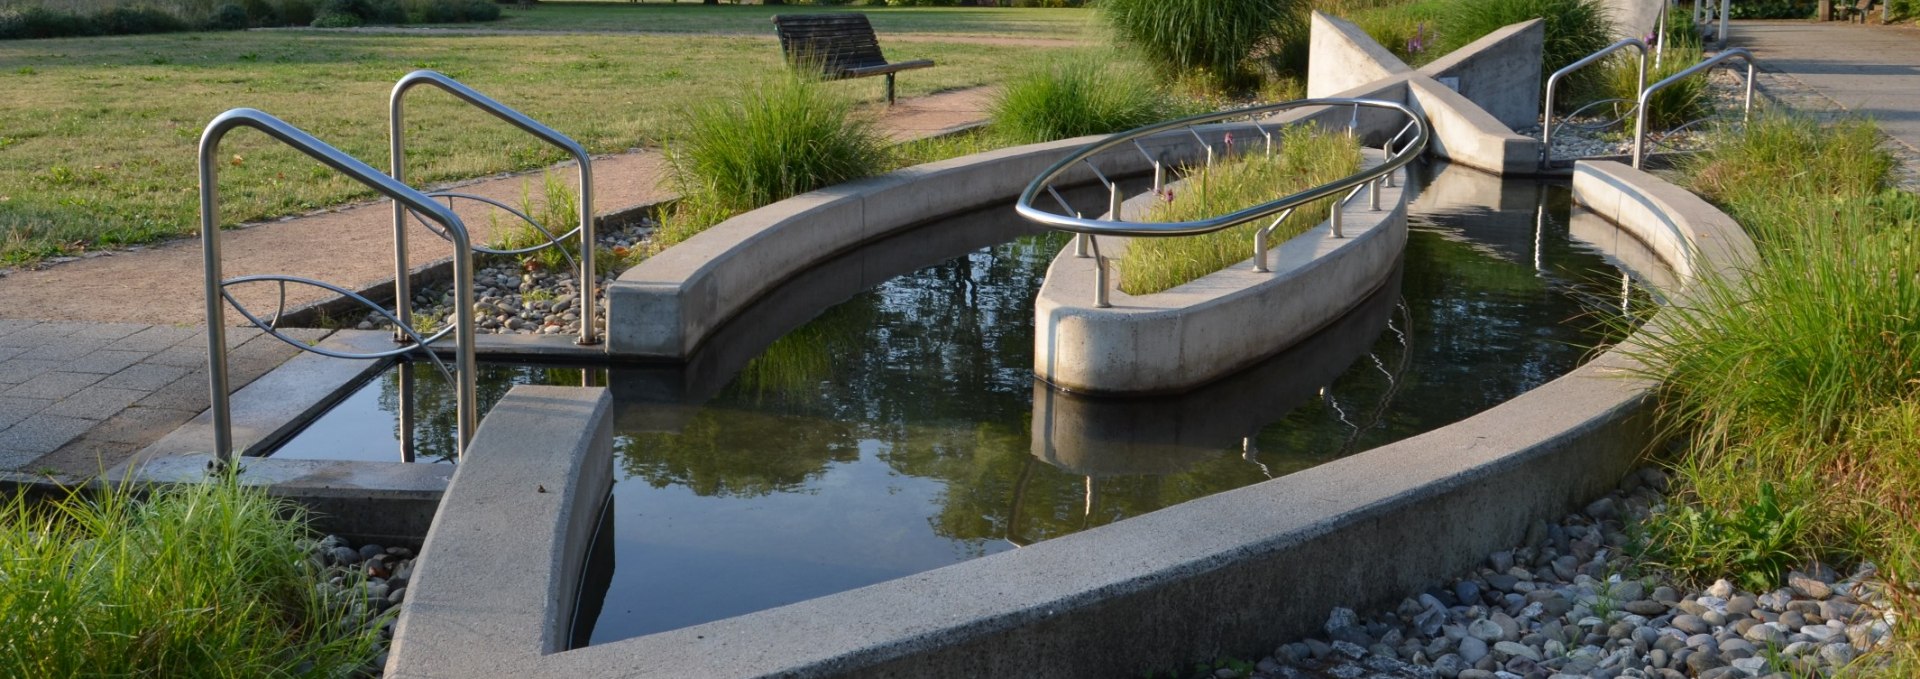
(820, 445)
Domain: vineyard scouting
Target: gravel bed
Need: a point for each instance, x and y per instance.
(512, 298)
(1564, 605)
(1571, 140)
(372, 580)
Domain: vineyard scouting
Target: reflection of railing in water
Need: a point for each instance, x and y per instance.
(216, 285)
(398, 157)
(1393, 375)
(405, 404)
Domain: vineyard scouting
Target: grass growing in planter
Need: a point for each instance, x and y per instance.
(1793, 389)
(208, 580)
(1209, 38)
(1076, 97)
(1574, 29)
(789, 136)
(1307, 156)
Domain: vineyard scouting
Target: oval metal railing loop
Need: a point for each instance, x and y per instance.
(281, 279)
(1083, 225)
(396, 148)
(552, 241)
(1553, 81)
(1640, 117)
(217, 295)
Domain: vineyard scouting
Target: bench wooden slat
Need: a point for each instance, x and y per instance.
(839, 45)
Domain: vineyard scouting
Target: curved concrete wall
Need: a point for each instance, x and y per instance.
(1196, 580)
(1212, 327)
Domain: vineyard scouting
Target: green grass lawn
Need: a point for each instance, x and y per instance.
(690, 17)
(98, 135)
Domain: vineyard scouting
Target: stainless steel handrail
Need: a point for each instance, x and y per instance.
(1640, 118)
(396, 146)
(1546, 116)
(1090, 229)
(216, 292)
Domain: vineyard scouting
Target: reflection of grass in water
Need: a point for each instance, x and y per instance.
(796, 363)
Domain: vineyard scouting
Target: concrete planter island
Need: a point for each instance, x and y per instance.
(1215, 326)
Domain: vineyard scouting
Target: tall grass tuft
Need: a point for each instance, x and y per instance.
(1074, 97)
(1574, 29)
(1211, 38)
(1793, 387)
(1683, 102)
(786, 137)
(1307, 156)
(203, 580)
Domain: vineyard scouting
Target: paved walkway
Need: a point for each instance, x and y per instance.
(101, 356)
(353, 246)
(1867, 70)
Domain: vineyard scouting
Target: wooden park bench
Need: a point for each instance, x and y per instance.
(1861, 10)
(838, 44)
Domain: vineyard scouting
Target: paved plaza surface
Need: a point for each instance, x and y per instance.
(101, 356)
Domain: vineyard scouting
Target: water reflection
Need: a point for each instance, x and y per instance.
(873, 423)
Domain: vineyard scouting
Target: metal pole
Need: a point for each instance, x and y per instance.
(1159, 177)
(1746, 106)
(1373, 194)
(1334, 216)
(397, 168)
(1723, 23)
(406, 412)
(1099, 275)
(1260, 249)
(221, 407)
(1080, 245)
(1640, 129)
(589, 278)
(465, 391)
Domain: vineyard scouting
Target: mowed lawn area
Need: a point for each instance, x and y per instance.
(98, 135)
(692, 17)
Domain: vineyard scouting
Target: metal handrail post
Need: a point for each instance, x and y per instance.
(588, 280)
(1646, 95)
(1553, 82)
(1721, 35)
(221, 398)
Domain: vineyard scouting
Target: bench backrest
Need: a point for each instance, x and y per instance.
(832, 41)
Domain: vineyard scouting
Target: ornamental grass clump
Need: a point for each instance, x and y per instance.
(1076, 97)
(1574, 29)
(1792, 388)
(206, 580)
(786, 137)
(1685, 101)
(1211, 39)
(1306, 156)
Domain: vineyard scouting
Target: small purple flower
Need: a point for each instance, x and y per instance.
(1418, 43)
(1652, 39)
(1167, 195)
(1229, 140)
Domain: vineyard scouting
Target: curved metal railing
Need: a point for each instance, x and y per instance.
(1553, 81)
(216, 285)
(396, 145)
(1640, 116)
(1283, 207)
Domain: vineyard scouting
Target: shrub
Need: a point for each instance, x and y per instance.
(40, 22)
(228, 17)
(1574, 29)
(1211, 38)
(296, 13)
(1076, 97)
(1307, 156)
(135, 21)
(337, 21)
(788, 136)
(203, 580)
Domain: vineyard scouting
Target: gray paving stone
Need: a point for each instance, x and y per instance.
(86, 456)
(141, 425)
(106, 362)
(95, 402)
(194, 356)
(11, 325)
(38, 435)
(55, 332)
(10, 352)
(54, 385)
(13, 410)
(64, 350)
(157, 338)
(17, 370)
(144, 376)
(187, 393)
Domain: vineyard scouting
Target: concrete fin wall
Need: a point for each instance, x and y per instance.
(1343, 57)
(1500, 73)
(1468, 135)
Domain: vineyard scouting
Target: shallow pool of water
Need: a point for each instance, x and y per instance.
(902, 429)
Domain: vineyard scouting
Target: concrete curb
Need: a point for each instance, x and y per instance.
(1221, 323)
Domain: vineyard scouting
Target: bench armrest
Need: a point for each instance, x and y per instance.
(887, 68)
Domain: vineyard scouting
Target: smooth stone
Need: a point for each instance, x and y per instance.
(1486, 630)
(343, 555)
(1821, 634)
(1509, 629)
(1705, 641)
(1502, 582)
(1720, 588)
(1793, 620)
(1704, 660)
(1645, 607)
(1807, 586)
(1741, 605)
(1657, 658)
(1838, 655)
(1799, 648)
(1751, 665)
(1467, 591)
(1666, 595)
(1515, 649)
(1475, 674)
(1722, 673)
(1472, 650)
(1691, 624)
(1839, 609)
(1500, 562)
(1627, 591)
(1349, 649)
(1714, 618)
(1766, 635)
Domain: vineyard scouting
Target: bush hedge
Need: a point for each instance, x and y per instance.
(136, 17)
